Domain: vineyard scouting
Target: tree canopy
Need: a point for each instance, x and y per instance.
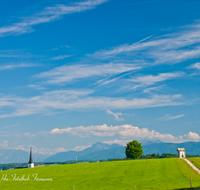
(133, 149)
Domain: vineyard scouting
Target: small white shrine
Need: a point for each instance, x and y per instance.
(181, 152)
(30, 163)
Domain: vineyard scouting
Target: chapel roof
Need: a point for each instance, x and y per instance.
(180, 149)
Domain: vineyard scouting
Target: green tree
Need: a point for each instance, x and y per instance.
(133, 149)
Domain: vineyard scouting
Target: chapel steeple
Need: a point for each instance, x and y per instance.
(30, 160)
(30, 163)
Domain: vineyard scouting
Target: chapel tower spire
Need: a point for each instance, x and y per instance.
(30, 163)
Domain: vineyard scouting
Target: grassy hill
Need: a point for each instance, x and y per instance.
(171, 173)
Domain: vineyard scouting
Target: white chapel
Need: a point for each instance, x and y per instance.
(181, 152)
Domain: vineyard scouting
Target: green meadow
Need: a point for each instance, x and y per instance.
(195, 161)
(169, 173)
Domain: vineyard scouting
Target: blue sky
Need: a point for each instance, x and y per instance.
(77, 72)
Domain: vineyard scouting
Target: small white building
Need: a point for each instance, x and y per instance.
(181, 152)
(30, 163)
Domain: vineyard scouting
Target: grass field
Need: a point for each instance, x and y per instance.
(195, 161)
(171, 173)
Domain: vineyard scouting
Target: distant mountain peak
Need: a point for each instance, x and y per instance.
(105, 151)
(71, 155)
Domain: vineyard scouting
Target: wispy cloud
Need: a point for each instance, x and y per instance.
(6, 101)
(168, 117)
(150, 79)
(6, 127)
(156, 88)
(54, 49)
(195, 66)
(36, 86)
(65, 74)
(14, 53)
(116, 115)
(108, 80)
(71, 100)
(167, 49)
(22, 65)
(49, 14)
(60, 57)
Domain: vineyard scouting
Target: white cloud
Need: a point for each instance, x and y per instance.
(65, 74)
(19, 147)
(191, 136)
(45, 151)
(72, 100)
(116, 141)
(60, 57)
(124, 131)
(4, 144)
(116, 115)
(41, 150)
(168, 117)
(80, 148)
(49, 14)
(60, 149)
(29, 134)
(109, 131)
(36, 150)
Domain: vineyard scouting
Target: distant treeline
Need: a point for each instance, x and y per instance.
(9, 166)
(25, 165)
(155, 156)
(164, 155)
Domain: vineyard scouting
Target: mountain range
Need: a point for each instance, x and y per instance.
(18, 156)
(102, 151)
(72, 155)
(98, 151)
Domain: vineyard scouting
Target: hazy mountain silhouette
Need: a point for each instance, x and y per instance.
(18, 156)
(102, 151)
(71, 155)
